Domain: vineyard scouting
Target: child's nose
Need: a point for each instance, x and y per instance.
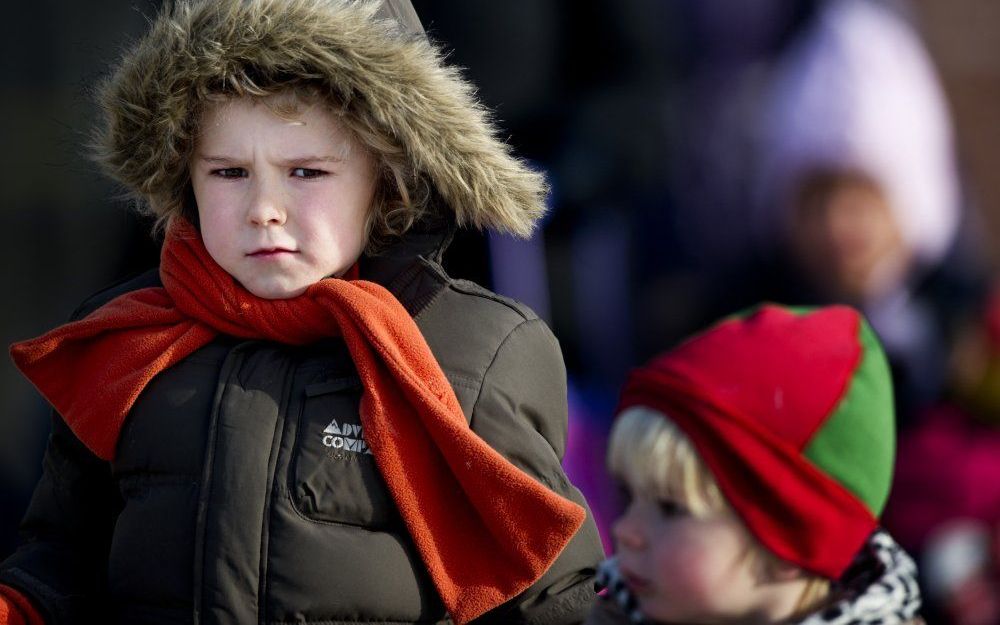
(266, 206)
(627, 533)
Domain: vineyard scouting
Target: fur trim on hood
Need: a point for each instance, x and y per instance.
(389, 80)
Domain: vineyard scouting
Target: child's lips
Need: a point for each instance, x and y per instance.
(271, 252)
(636, 584)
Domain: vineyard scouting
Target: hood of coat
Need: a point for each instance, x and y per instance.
(403, 13)
(373, 59)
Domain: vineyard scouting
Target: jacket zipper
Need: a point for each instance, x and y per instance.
(229, 366)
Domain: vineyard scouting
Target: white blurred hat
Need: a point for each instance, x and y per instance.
(859, 93)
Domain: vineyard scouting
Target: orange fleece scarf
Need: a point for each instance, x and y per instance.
(16, 609)
(485, 529)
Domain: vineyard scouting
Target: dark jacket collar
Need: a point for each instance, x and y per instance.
(397, 266)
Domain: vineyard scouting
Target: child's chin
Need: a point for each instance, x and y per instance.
(656, 613)
(275, 291)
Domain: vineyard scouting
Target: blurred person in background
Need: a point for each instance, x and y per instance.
(859, 197)
(945, 505)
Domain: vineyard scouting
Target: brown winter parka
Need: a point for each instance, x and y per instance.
(243, 490)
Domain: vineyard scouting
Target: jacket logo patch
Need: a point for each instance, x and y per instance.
(345, 437)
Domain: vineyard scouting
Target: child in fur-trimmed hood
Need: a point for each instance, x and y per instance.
(300, 417)
(757, 457)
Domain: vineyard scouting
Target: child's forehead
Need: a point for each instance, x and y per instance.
(284, 117)
(286, 106)
(650, 478)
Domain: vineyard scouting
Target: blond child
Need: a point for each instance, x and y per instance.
(757, 457)
(300, 417)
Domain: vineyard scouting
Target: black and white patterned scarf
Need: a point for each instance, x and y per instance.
(880, 587)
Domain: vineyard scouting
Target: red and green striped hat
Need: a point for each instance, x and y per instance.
(792, 412)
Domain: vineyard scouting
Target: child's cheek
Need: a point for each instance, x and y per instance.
(684, 567)
(682, 593)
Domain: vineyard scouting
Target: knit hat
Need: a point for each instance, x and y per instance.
(859, 93)
(791, 410)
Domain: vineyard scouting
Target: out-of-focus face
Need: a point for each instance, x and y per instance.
(845, 237)
(282, 200)
(687, 569)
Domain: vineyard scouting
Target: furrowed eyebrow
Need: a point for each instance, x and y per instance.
(216, 159)
(309, 158)
(295, 160)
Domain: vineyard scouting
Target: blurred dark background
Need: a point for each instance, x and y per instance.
(641, 111)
